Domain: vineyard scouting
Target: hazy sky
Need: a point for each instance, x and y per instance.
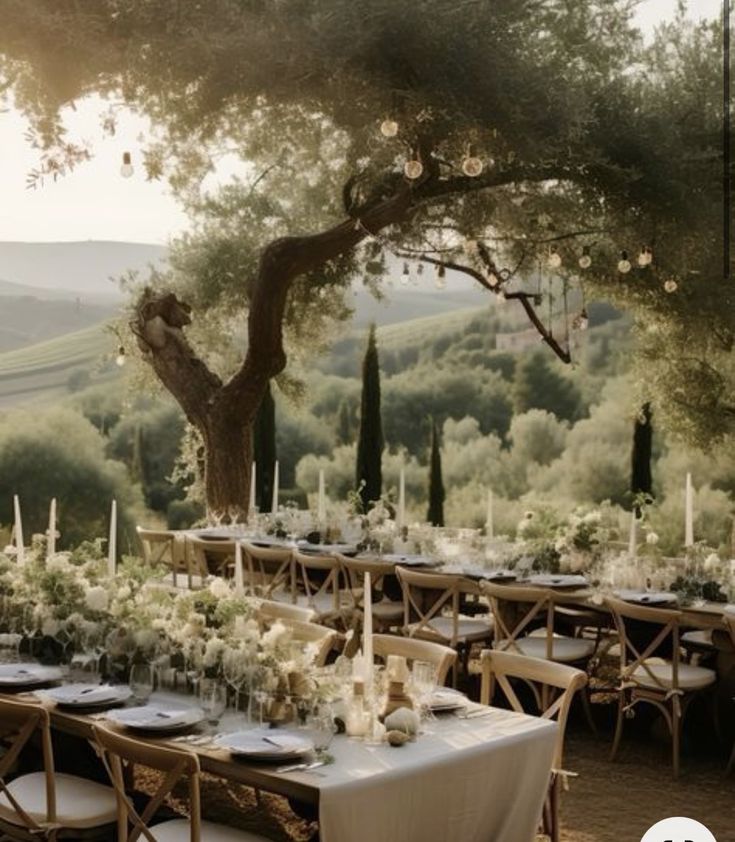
(95, 203)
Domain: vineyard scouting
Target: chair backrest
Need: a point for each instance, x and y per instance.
(499, 667)
(158, 545)
(634, 655)
(269, 569)
(414, 649)
(271, 610)
(175, 763)
(320, 576)
(425, 597)
(323, 637)
(354, 572)
(211, 557)
(729, 621)
(20, 721)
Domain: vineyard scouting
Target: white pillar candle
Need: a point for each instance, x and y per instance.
(253, 476)
(401, 513)
(51, 542)
(20, 546)
(321, 506)
(239, 582)
(367, 642)
(689, 513)
(274, 503)
(489, 527)
(112, 541)
(633, 540)
(396, 668)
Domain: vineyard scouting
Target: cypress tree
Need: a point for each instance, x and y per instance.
(435, 515)
(264, 450)
(641, 481)
(370, 438)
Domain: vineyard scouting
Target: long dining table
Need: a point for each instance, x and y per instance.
(478, 778)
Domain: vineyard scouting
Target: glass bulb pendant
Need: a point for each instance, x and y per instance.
(585, 261)
(120, 359)
(441, 276)
(413, 169)
(624, 265)
(406, 274)
(671, 285)
(389, 128)
(582, 321)
(554, 259)
(126, 170)
(645, 258)
(472, 166)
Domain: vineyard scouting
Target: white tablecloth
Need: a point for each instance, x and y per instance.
(474, 780)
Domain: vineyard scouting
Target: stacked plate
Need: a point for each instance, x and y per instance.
(89, 695)
(546, 580)
(648, 597)
(273, 745)
(158, 718)
(19, 676)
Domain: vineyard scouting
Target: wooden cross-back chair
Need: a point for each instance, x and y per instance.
(169, 549)
(47, 805)
(270, 572)
(413, 649)
(427, 597)
(323, 638)
(547, 678)
(175, 764)
(271, 609)
(211, 557)
(667, 684)
(386, 612)
(321, 577)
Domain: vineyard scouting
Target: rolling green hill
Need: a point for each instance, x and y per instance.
(47, 370)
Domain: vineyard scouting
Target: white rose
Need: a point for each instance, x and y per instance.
(96, 598)
(275, 634)
(712, 562)
(124, 593)
(213, 651)
(50, 627)
(219, 588)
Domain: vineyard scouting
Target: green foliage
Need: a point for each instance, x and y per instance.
(538, 385)
(370, 438)
(57, 453)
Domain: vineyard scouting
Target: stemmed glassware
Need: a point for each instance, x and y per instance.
(213, 700)
(141, 682)
(423, 682)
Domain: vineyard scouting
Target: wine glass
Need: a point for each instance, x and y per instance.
(213, 699)
(423, 681)
(321, 728)
(141, 682)
(234, 669)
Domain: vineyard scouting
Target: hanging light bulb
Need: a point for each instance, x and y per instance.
(126, 170)
(406, 274)
(585, 261)
(413, 169)
(120, 359)
(492, 279)
(624, 265)
(554, 259)
(472, 166)
(420, 269)
(671, 285)
(441, 276)
(389, 128)
(645, 258)
(582, 320)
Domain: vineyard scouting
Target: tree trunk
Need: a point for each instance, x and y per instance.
(228, 456)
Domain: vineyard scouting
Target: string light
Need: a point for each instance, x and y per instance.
(624, 265)
(472, 166)
(406, 274)
(585, 261)
(389, 128)
(554, 259)
(413, 169)
(120, 359)
(671, 285)
(582, 320)
(126, 170)
(645, 258)
(441, 273)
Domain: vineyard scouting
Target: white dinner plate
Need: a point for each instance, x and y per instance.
(547, 580)
(446, 699)
(326, 549)
(265, 744)
(647, 597)
(89, 695)
(156, 717)
(499, 575)
(410, 560)
(28, 675)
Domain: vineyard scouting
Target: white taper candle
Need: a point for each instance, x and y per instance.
(367, 641)
(633, 539)
(51, 542)
(489, 526)
(253, 477)
(689, 513)
(20, 546)
(239, 583)
(401, 514)
(274, 503)
(112, 541)
(321, 506)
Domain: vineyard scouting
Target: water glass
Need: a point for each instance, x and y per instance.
(213, 699)
(141, 682)
(423, 680)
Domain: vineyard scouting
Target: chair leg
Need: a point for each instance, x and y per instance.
(587, 707)
(675, 735)
(618, 725)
